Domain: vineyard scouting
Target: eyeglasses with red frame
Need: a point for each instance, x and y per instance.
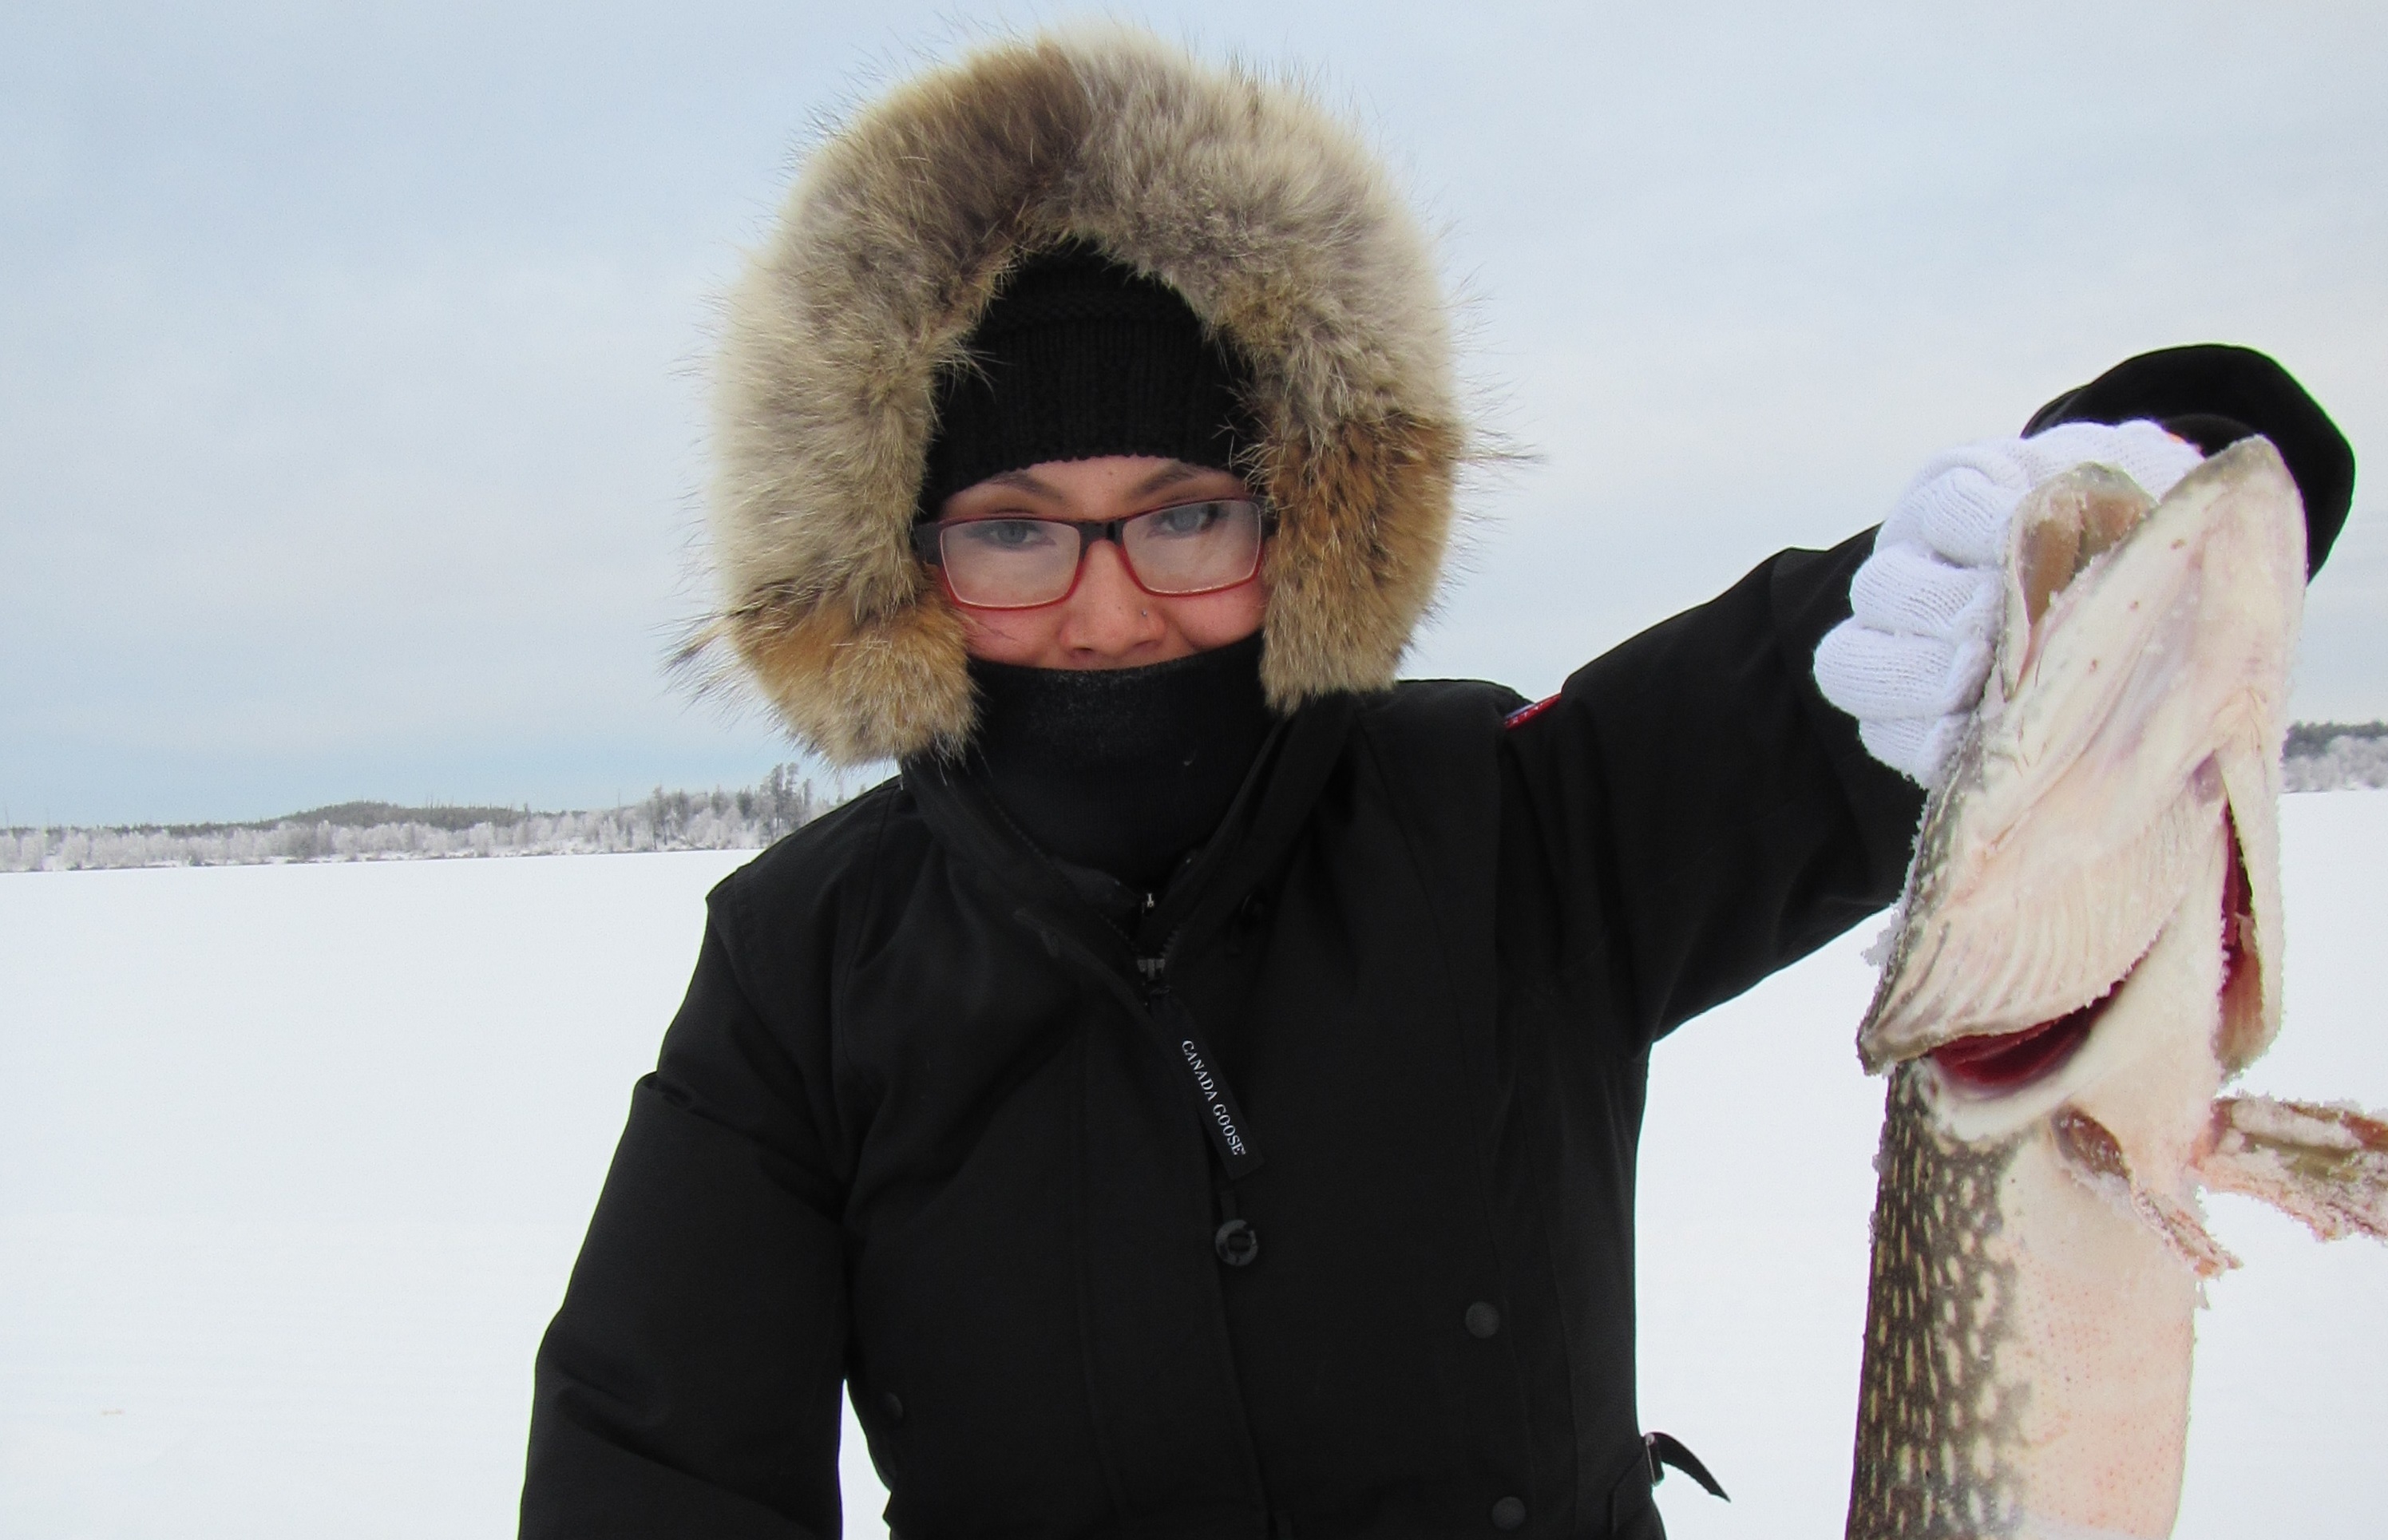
(1019, 561)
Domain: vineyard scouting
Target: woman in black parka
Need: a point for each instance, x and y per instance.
(1198, 1096)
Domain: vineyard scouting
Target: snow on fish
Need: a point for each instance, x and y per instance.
(2089, 947)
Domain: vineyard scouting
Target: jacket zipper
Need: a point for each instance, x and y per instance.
(1222, 1119)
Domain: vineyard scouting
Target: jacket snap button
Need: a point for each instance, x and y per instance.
(1509, 1513)
(1482, 1319)
(891, 1405)
(1237, 1243)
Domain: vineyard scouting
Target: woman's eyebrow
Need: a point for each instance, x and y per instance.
(1025, 481)
(1167, 476)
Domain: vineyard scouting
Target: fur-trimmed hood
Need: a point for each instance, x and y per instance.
(1280, 230)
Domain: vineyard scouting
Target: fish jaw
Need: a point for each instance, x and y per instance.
(2141, 1057)
(2145, 693)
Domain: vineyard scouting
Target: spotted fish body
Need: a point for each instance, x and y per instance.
(2088, 949)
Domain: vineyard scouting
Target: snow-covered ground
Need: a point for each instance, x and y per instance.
(294, 1161)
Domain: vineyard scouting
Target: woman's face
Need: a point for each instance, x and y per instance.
(1107, 622)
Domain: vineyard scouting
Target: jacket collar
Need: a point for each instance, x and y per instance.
(1267, 813)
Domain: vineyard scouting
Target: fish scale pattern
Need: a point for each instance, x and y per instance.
(1934, 1423)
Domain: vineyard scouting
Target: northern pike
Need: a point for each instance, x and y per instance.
(2089, 948)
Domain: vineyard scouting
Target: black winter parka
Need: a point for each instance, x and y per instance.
(931, 1124)
(1301, 1205)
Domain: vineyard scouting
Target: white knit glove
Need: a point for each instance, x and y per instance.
(1909, 662)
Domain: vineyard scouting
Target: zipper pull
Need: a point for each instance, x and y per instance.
(1221, 1117)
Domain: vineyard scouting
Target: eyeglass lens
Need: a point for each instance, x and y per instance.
(1019, 562)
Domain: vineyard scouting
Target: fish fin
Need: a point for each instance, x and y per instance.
(2096, 1160)
(2325, 1165)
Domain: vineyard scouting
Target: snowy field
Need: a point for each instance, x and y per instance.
(294, 1160)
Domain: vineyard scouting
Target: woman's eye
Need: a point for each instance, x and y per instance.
(1005, 534)
(1191, 519)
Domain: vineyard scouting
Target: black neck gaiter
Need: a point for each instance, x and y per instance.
(1121, 770)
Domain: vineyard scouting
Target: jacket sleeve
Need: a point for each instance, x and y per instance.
(690, 1383)
(1697, 815)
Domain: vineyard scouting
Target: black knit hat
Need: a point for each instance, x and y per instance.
(1077, 357)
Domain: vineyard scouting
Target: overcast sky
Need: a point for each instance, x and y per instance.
(350, 404)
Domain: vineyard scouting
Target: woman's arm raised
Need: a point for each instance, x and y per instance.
(1708, 814)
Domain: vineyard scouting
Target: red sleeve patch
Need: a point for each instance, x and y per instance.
(1525, 714)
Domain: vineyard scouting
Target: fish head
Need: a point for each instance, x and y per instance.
(2095, 890)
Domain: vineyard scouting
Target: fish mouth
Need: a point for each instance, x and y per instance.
(2004, 1061)
(2000, 1063)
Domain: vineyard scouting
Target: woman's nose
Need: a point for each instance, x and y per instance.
(1107, 613)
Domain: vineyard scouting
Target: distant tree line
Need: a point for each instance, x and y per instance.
(747, 818)
(2328, 757)
(2321, 756)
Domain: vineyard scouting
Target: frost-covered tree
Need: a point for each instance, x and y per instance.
(747, 818)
